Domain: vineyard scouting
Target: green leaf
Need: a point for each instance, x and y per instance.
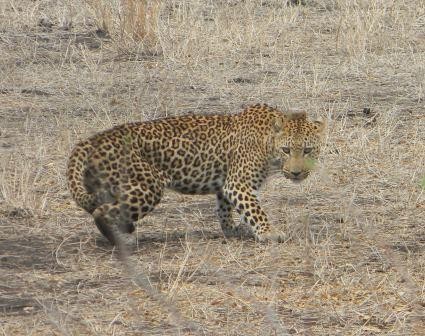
(422, 183)
(310, 163)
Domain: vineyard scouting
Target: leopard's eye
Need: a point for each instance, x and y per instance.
(307, 150)
(286, 150)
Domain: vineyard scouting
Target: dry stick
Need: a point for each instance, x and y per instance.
(266, 310)
(142, 281)
(140, 278)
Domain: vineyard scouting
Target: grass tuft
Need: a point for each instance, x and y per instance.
(128, 21)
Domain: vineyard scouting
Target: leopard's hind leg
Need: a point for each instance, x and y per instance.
(136, 191)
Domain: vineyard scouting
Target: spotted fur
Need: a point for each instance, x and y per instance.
(119, 175)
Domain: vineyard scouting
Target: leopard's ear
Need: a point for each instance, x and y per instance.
(278, 124)
(320, 125)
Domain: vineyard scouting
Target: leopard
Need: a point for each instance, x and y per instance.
(119, 175)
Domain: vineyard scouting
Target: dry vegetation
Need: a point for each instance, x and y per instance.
(354, 263)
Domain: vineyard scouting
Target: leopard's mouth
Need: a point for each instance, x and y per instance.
(298, 178)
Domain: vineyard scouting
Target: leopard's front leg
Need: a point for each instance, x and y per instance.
(244, 199)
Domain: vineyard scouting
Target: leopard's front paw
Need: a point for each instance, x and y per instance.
(274, 236)
(237, 232)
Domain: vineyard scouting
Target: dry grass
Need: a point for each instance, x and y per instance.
(355, 260)
(128, 21)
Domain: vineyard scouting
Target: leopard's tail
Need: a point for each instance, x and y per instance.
(76, 172)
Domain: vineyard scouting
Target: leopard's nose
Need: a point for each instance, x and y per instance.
(296, 173)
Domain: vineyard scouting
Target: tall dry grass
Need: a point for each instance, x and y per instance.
(128, 21)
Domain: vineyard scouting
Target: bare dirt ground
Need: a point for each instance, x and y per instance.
(354, 261)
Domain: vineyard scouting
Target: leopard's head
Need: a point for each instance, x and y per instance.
(297, 144)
